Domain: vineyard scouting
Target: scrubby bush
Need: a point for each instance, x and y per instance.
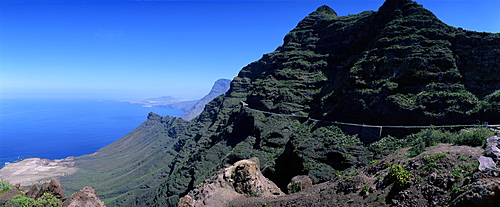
(427, 138)
(4, 185)
(21, 201)
(399, 175)
(386, 146)
(47, 200)
(473, 137)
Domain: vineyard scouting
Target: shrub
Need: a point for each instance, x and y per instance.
(21, 201)
(386, 146)
(399, 175)
(48, 200)
(4, 185)
(473, 137)
(427, 138)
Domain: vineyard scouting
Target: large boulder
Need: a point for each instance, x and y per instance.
(299, 183)
(241, 179)
(86, 197)
(53, 187)
(492, 147)
(485, 163)
(246, 178)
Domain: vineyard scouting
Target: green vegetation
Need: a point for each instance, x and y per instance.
(4, 186)
(431, 160)
(47, 200)
(365, 188)
(430, 137)
(399, 175)
(386, 146)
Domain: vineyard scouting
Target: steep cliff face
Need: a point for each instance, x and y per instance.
(220, 87)
(399, 65)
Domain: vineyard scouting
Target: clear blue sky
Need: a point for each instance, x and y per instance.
(141, 49)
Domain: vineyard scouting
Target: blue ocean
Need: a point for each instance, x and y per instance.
(58, 128)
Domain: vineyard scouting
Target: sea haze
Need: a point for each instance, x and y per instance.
(58, 128)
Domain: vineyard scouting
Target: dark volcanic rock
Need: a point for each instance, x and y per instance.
(485, 191)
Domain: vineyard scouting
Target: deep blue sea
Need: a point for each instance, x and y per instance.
(58, 128)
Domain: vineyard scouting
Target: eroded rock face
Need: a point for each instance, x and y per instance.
(241, 179)
(246, 178)
(53, 187)
(86, 197)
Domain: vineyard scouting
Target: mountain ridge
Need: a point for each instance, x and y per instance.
(220, 86)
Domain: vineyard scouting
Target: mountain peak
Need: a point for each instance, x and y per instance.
(398, 8)
(326, 10)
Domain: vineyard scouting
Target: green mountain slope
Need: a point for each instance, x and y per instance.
(399, 65)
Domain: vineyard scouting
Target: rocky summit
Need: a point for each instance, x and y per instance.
(399, 65)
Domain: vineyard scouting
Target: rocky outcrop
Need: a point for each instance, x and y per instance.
(86, 197)
(485, 187)
(489, 162)
(486, 163)
(299, 183)
(53, 187)
(241, 179)
(492, 148)
(483, 191)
